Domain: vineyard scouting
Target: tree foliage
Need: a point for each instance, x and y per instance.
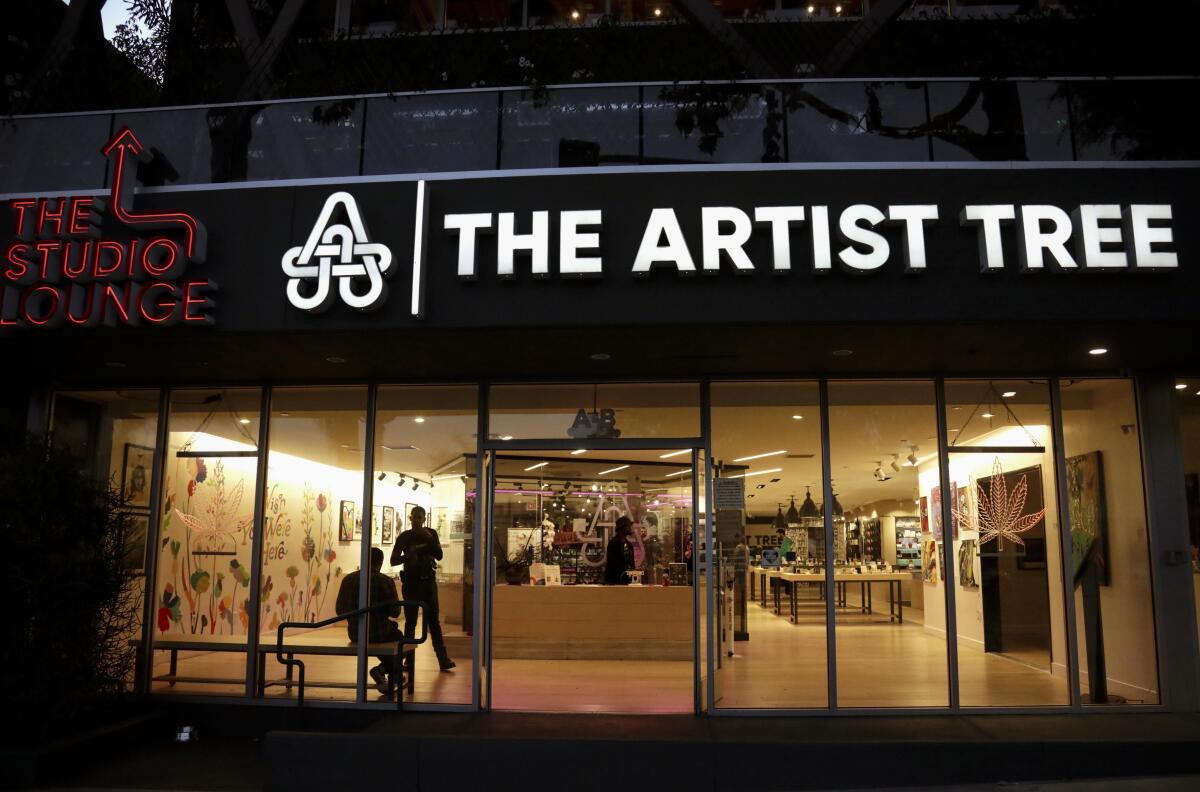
(143, 39)
(71, 609)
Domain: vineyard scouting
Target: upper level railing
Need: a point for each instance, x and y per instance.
(624, 124)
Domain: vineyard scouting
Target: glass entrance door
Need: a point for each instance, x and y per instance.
(593, 604)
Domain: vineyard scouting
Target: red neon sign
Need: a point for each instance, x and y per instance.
(82, 261)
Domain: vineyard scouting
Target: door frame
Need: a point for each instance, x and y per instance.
(485, 602)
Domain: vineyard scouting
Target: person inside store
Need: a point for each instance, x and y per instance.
(380, 627)
(785, 545)
(418, 550)
(618, 557)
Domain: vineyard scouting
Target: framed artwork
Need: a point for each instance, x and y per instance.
(1089, 513)
(376, 525)
(408, 507)
(346, 522)
(935, 512)
(440, 519)
(924, 514)
(389, 522)
(929, 559)
(968, 557)
(1192, 492)
(961, 502)
(136, 464)
(135, 544)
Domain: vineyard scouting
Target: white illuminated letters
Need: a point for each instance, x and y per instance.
(1137, 225)
(781, 241)
(536, 242)
(650, 252)
(990, 218)
(571, 240)
(914, 217)
(1090, 236)
(466, 225)
(714, 242)
(853, 231)
(1036, 240)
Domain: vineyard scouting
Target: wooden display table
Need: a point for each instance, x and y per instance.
(588, 622)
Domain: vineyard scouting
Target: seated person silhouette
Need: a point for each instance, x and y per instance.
(380, 628)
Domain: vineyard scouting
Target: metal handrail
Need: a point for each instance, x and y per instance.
(292, 662)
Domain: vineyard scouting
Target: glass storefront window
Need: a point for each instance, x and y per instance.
(706, 123)
(1005, 544)
(430, 132)
(594, 411)
(988, 121)
(1110, 563)
(849, 122)
(425, 464)
(1188, 393)
(769, 556)
(475, 14)
(202, 598)
(891, 647)
(570, 128)
(113, 434)
(312, 535)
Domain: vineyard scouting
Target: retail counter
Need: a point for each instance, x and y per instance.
(593, 622)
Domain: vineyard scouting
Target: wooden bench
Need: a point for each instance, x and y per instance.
(319, 642)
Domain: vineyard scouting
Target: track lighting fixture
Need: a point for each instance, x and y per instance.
(896, 462)
(400, 483)
(415, 485)
(382, 476)
(912, 456)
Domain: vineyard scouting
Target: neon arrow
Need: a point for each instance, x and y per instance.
(127, 148)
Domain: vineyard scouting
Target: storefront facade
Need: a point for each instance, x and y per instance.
(976, 366)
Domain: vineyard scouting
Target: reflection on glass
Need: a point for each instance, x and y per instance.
(570, 128)
(113, 434)
(312, 534)
(602, 412)
(430, 132)
(425, 459)
(1187, 390)
(704, 123)
(1012, 647)
(61, 152)
(202, 598)
(888, 545)
(1131, 120)
(380, 17)
(593, 603)
(1110, 563)
(848, 122)
(987, 120)
(769, 555)
(485, 14)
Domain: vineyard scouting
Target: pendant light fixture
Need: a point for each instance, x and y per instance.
(808, 509)
(793, 516)
(780, 520)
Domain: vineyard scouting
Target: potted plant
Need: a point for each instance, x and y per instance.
(514, 566)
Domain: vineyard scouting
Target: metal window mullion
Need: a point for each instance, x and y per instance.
(146, 648)
(830, 592)
(596, 444)
(1065, 551)
(481, 624)
(951, 620)
(710, 662)
(256, 545)
(364, 577)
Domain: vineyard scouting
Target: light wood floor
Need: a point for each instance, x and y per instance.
(880, 664)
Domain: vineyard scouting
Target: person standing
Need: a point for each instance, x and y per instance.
(618, 556)
(418, 550)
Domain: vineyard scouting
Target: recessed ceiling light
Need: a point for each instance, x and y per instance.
(1181, 386)
(760, 456)
(600, 356)
(612, 470)
(843, 352)
(243, 421)
(578, 451)
(797, 417)
(678, 473)
(535, 467)
(285, 414)
(506, 437)
(757, 473)
(1008, 394)
(335, 359)
(1097, 351)
(989, 415)
(674, 454)
(419, 419)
